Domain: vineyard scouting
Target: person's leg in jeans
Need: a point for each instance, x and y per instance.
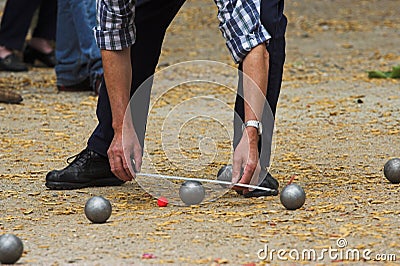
(79, 63)
(71, 68)
(89, 46)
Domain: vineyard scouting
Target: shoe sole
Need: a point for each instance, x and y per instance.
(260, 193)
(268, 182)
(96, 183)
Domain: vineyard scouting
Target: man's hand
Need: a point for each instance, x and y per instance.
(246, 157)
(119, 154)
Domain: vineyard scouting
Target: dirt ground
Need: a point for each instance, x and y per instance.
(335, 129)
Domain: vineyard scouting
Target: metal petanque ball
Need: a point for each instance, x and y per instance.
(293, 197)
(192, 192)
(391, 170)
(98, 209)
(225, 174)
(11, 249)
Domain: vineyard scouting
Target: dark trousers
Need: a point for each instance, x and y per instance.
(152, 19)
(17, 18)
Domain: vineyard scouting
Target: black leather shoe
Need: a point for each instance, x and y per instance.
(225, 174)
(12, 63)
(31, 54)
(88, 169)
(268, 182)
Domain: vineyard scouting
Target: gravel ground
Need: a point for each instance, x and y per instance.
(335, 129)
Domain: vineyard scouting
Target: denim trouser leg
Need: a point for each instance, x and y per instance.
(88, 43)
(77, 54)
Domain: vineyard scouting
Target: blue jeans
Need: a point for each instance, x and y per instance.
(77, 54)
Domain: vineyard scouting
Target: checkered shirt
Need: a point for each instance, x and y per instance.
(115, 28)
(241, 26)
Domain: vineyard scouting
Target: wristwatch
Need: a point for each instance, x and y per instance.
(253, 123)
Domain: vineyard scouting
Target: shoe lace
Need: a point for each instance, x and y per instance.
(80, 158)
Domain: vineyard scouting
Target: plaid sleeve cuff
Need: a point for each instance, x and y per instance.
(115, 24)
(241, 26)
(116, 39)
(240, 46)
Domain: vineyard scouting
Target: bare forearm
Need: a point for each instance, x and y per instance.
(255, 81)
(118, 75)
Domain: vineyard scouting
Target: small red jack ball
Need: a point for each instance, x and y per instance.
(162, 202)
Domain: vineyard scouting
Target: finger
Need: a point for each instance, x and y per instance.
(131, 166)
(246, 177)
(243, 180)
(248, 173)
(256, 176)
(242, 189)
(119, 169)
(137, 156)
(236, 169)
(238, 188)
(111, 161)
(127, 169)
